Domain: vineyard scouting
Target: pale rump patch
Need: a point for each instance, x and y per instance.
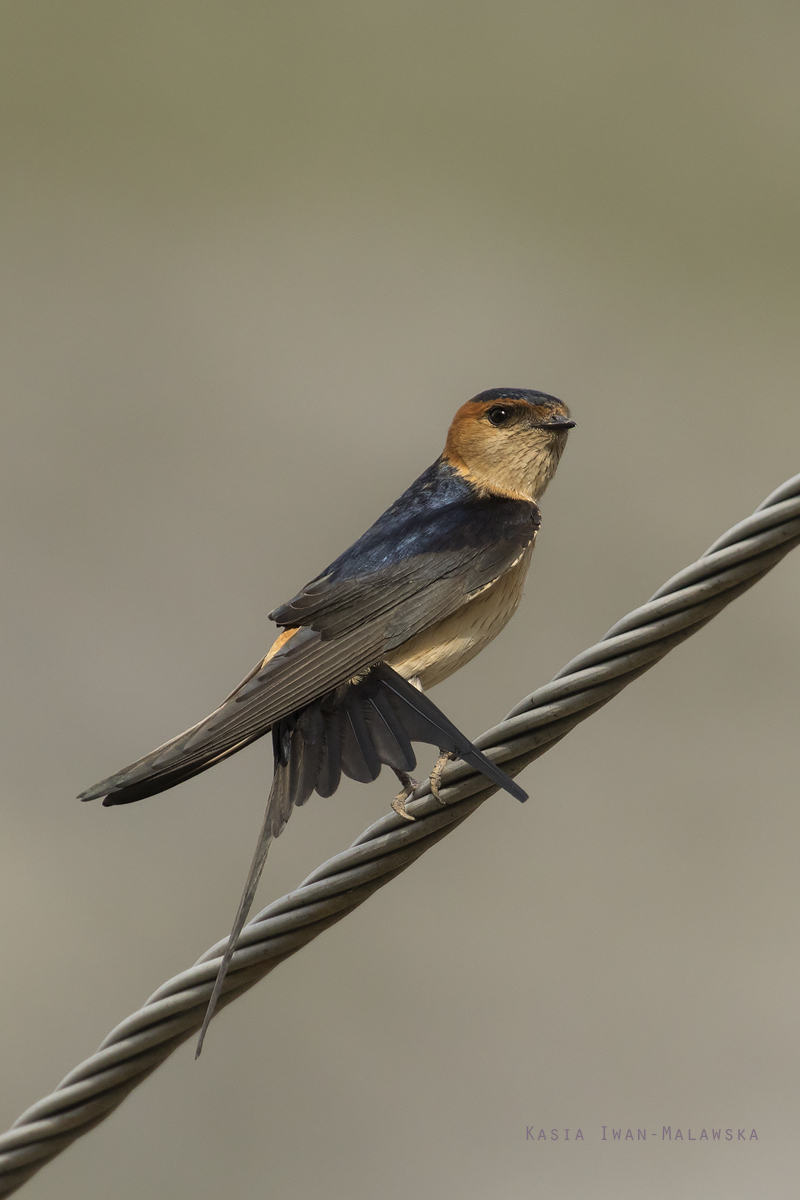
(440, 650)
(279, 643)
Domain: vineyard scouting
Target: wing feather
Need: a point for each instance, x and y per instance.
(371, 600)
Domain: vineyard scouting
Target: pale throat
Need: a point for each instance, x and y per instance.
(522, 473)
(542, 466)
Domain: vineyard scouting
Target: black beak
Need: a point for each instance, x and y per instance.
(563, 423)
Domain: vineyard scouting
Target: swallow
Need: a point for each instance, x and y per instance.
(342, 688)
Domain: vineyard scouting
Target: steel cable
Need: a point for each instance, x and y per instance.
(175, 1011)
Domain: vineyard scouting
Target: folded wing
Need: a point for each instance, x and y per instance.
(368, 602)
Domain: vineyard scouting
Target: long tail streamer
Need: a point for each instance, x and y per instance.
(174, 1013)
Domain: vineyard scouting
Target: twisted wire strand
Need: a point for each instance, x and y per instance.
(140, 1043)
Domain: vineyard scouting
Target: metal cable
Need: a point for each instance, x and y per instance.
(174, 1013)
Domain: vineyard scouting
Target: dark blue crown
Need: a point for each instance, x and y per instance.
(515, 394)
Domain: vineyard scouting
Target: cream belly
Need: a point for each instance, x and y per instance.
(440, 650)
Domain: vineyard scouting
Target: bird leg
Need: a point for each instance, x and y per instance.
(445, 756)
(410, 785)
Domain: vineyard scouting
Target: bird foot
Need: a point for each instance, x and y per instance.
(410, 785)
(445, 756)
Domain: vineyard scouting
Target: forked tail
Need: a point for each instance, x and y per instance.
(353, 730)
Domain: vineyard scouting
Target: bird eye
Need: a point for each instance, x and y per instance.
(499, 415)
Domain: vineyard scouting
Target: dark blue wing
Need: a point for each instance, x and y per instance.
(421, 561)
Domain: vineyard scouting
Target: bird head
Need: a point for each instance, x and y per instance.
(508, 441)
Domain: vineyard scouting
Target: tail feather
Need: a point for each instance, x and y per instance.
(279, 808)
(330, 766)
(354, 729)
(388, 736)
(304, 758)
(424, 722)
(359, 757)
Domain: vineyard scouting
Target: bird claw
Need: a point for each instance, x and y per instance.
(399, 806)
(445, 756)
(410, 785)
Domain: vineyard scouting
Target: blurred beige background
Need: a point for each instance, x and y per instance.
(254, 255)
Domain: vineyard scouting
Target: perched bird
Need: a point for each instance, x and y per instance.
(431, 583)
